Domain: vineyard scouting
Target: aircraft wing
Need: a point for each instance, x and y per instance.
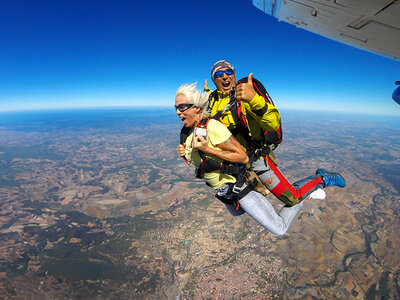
(372, 25)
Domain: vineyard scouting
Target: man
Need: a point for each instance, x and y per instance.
(260, 116)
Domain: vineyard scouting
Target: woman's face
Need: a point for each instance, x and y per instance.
(188, 115)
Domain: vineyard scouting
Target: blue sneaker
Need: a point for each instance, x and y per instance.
(331, 178)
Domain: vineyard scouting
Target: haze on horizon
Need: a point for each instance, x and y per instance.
(69, 54)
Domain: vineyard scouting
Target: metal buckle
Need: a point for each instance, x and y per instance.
(236, 189)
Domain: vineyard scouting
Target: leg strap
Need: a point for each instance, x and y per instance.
(237, 192)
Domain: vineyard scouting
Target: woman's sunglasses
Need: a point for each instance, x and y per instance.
(182, 107)
(220, 73)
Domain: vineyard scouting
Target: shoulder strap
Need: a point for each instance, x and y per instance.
(204, 122)
(231, 103)
(185, 132)
(213, 95)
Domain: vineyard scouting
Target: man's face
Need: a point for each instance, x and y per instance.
(225, 83)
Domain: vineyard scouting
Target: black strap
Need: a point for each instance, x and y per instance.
(236, 196)
(260, 112)
(208, 164)
(231, 168)
(235, 189)
(257, 152)
(228, 107)
(250, 187)
(185, 132)
(232, 106)
(199, 174)
(211, 97)
(204, 121)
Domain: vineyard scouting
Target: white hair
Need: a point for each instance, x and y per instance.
(193, 96)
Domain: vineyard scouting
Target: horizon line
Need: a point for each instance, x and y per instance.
(49, 109)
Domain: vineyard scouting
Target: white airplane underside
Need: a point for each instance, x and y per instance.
(366, 24)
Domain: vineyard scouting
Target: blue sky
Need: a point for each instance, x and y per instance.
(71, 54)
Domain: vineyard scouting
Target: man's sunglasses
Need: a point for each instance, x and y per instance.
(221, 73)
(182, 107)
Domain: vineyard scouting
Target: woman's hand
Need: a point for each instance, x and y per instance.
(181, 150)
(200, 143)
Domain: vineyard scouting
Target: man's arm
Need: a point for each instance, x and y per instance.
(265, 114)
(268, 117)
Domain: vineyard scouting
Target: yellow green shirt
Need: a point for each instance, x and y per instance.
(217, 134)
(270, 120)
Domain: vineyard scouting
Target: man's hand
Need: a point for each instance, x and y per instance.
(205, 85)
(200, 143)
(245, 91)
(180, 150)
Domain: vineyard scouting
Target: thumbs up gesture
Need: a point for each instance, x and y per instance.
(245, 91)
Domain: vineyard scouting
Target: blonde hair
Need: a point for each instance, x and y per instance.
(193, 96)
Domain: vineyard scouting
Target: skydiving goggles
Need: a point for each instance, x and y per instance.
(221, 73)
(183, 106)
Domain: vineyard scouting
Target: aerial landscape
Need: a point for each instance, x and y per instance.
(96, 204)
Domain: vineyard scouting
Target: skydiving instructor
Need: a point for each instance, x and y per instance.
(260, 117)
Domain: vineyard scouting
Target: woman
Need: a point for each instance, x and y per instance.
(219, 144)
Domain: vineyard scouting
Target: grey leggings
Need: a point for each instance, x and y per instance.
(259, 208)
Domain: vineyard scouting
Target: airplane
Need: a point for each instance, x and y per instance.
(371, 25)
(396, 93)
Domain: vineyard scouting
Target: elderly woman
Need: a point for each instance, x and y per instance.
(217, 143)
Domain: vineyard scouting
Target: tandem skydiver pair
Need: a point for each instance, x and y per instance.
(244, 123)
